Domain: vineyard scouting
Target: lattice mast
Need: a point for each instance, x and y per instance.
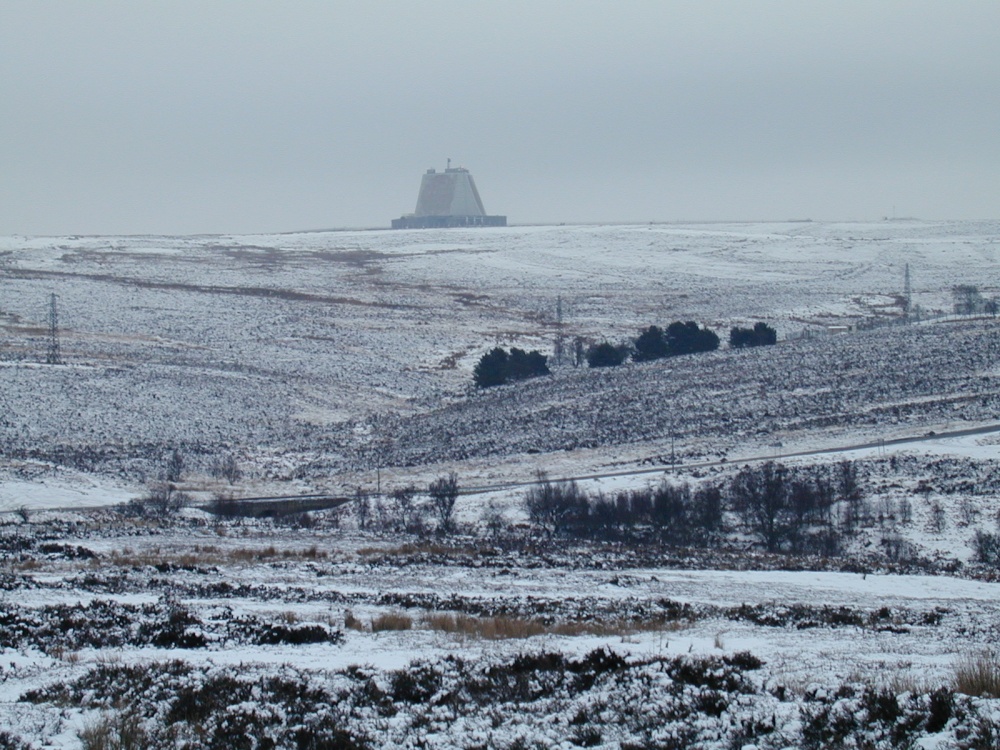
(559, 344)
(54, 357)
(907, 290)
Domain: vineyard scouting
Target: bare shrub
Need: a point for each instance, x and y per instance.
(760, 495)
(408, 515)
(897, 548)
(175, 467)
(556, 507)
(939, 519)
(226, 467)
(362, 509)
(495, 521)
(987, 548)
(444, 492)
(968, 513)
(160, 501)
(905, 511)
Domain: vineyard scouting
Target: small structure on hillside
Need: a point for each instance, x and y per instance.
(448, 199)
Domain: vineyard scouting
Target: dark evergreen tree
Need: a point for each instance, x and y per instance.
(687, 338)
(760, 335)
(491, 369)
(606, 355)
(522, 365)
(497, 367)
(650, 345)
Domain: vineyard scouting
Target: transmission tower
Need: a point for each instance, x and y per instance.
(907, 290)
(53, 357)
(559, 331)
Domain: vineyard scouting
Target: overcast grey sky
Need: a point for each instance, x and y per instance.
(246, 116)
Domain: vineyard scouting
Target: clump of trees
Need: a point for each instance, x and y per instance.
(673, 513)
(656, 343)
(679, 338)
(498, 367)
(969, 301)
(795, 510)
(607, 355)
(407, 509)
(760, 335)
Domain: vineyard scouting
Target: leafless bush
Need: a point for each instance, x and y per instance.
(226, 467)
(444, 493)
(495, 521)
(362, 509)
(938, 519)
(987, 548)
(409, 516)
(905, 511)
(968, 513)
(160, 501)
(175, 467)
(555, 506)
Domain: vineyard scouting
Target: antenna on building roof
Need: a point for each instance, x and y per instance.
(449, 164)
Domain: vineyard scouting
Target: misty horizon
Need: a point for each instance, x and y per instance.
(227, 117)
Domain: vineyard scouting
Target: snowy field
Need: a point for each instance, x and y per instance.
(337, 361)
(318, 357)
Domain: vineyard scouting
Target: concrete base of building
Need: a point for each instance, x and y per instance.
(439, 222)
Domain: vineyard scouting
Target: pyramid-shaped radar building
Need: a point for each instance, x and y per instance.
(448, 199)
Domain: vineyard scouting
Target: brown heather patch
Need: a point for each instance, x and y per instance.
(211, 555)
(410, 550)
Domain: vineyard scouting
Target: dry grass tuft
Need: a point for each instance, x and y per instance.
(391, 621)
(351, 622)
(500, 628)
(978, 675)
(248, 554)
(114, 732)
(908, 682)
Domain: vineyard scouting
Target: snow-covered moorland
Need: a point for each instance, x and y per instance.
(331, 361)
